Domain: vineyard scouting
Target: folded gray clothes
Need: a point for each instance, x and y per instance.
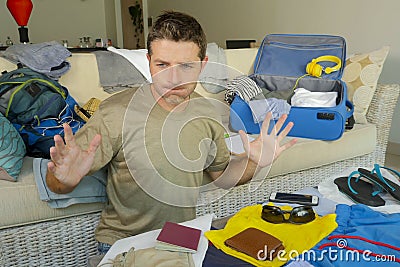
(215, 75)
(116, 73)
(92, 188)
(280, 94)
(48, 58)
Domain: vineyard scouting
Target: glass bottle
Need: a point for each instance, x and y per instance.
(9, 42)
(65, 43)
(87, 43)
(81, 44)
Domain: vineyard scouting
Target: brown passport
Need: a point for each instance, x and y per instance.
(256, 243)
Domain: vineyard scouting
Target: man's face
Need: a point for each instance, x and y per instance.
(175, 68)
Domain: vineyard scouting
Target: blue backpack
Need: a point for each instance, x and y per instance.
(37, 106)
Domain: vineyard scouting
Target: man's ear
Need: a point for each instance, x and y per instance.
(204, 62)
(148, 56)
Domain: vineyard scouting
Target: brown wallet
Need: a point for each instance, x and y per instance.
(256, 243)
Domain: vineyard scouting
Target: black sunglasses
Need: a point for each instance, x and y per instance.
(298, 215)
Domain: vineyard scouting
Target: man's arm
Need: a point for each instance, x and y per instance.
(239, 171)
(69, 163)
(258, 154)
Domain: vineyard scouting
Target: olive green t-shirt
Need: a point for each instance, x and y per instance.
(155, 160)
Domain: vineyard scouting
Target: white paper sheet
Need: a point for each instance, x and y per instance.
(148, 239)
(235, 144)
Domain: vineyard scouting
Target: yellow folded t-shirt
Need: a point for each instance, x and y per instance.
(296, 238)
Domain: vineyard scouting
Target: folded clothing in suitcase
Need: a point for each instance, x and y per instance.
(287, 62)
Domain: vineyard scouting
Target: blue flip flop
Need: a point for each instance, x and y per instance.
(358, 190)
(384, 184)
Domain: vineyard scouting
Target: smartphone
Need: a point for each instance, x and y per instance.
(294, 198)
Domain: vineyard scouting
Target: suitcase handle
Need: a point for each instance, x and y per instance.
(350, 110)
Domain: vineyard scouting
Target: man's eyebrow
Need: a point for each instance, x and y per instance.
(189, 62)
(157, 60)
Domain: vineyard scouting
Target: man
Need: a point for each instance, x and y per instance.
(157, 140)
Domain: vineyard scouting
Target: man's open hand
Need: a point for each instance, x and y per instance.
(266, 147)
(69, 163)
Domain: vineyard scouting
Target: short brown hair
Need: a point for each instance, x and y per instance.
(177, 26)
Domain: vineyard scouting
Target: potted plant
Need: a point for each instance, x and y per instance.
(136, 13)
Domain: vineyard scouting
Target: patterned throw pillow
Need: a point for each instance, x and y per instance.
(12, 150)
(361, 75)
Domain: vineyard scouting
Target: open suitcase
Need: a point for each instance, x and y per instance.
(280, 64)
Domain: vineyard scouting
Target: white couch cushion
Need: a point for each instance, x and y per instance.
(308, 153)
(82, 80)
(20, 203)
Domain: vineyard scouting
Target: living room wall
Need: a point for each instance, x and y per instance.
(63, 20)
(365, 24)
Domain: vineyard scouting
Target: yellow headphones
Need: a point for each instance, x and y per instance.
(316, 70)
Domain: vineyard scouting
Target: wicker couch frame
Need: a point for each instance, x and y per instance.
(70, 241)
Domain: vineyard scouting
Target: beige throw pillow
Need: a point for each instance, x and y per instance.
(361, 75)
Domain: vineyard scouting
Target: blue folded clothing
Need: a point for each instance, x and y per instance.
(91, 189)
(373, 234)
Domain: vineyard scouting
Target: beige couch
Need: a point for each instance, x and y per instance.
(33, 234)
